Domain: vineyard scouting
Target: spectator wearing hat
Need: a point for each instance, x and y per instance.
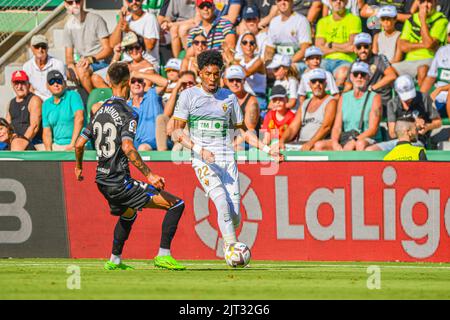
(386, 42)
(313, 122)
(439, 76)
(382, 74)
(218, 31)
(9, 140)
(62, 115)
(234, 80)
(286, 76)
(335, 35)
(313, 60)
(372, 8)
(358, 115)
(421, 36)
(255, 71)
(406, 131)
(409, 103)
(25, 110)
(249, 24)
(87, 44)
(289, 34)
(172, 69)
(133, 18)
(278, 119)
(37, 67)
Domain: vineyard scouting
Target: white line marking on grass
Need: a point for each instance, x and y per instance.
(219, 264)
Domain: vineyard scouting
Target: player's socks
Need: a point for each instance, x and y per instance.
(170, 224)
(163, 252)
(115, 259)
(121, 233)
(224, 218)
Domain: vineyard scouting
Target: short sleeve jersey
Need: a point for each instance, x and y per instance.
(211, 119)
(287, 36)
(339, 32)
(113, 123)
(411, 32)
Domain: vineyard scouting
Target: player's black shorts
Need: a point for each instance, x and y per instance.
(131, 194)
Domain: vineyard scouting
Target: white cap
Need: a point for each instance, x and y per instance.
(405, 87)
(363, 37)
(313, 51)
(174, 64)
(360, 67)
(279, 60)
(317, 74)
(387, 11)
(235, 72)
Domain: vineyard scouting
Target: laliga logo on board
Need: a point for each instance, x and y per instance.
(249, 230)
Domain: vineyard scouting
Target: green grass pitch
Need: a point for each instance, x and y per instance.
(205, 280)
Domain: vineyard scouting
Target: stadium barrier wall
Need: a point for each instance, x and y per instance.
(318, 211)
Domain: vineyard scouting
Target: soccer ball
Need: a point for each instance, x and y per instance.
(237, 255)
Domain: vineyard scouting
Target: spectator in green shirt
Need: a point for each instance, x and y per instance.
(62, 115)
(334, 36)
(421, 36)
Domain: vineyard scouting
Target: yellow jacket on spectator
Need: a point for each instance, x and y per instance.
(404, 151)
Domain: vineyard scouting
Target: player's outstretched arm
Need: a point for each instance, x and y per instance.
(179, 136)
(135, 158)
(79, 152)
(252, 139)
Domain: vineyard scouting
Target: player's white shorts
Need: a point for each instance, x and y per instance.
(218, 174)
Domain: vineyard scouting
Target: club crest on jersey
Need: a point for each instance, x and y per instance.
(225, 107)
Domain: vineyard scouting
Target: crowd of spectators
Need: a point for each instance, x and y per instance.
(309, 75)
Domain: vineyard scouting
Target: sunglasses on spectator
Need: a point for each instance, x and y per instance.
(362, 46)
(235, 80)
(71, 3)
(16, 83)
(134, 80)
(356, 74)
(188, 84)
(202, 42)
(206, 4)
(315, 81)
(131, 48)
(131, 1)
(423, 1)
(41, 46)
(245, 42)
(53, 81)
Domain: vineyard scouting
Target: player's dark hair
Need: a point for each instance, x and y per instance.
(210, 57)
(118, 72)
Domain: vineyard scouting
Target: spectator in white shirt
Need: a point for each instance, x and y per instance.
(289, 34)
(37, 67)
(142, 23)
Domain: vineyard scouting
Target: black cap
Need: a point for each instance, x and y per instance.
(54, 74)
(278, 92)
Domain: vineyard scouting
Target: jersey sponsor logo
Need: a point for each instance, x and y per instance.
(132, 127)
(212, 125)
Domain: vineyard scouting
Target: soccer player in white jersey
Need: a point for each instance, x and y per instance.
(212, 114)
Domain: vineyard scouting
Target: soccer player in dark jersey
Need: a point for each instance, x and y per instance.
(113, 129)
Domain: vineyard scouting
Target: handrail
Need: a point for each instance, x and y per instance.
(25, 39)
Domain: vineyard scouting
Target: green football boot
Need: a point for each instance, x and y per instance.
(121, 266)
(167, 262)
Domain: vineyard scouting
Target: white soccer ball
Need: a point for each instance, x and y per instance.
(237, 255)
